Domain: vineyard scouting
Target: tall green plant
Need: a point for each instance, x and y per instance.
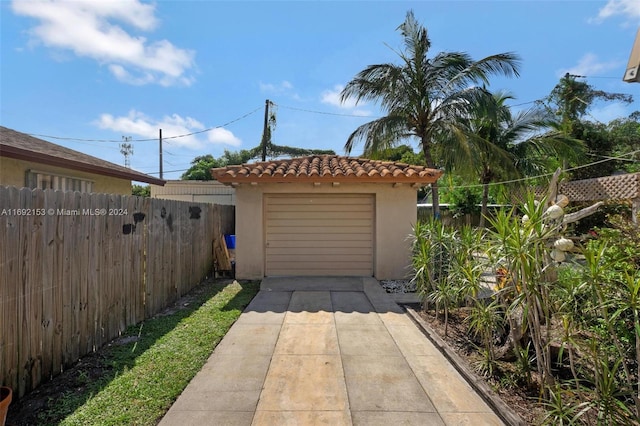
(469, 262)
(483, 320)
(433, 246)
(522, 246)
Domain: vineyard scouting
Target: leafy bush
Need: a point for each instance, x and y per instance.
(587, 308)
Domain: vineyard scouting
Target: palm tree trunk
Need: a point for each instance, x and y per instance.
(485, 198)
(435, 197)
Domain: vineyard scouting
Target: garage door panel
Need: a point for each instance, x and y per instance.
(347, 269)
(319, 234)
(312, 231)
(325, 223)
(321, 251)
(319, 237)
(317, 243)
(310, 208)
(298, 202)
(320, 273)
(316, 214)
(316, 259)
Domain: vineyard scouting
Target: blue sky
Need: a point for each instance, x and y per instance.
(101, 70)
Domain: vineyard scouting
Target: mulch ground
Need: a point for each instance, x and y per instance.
(521, 400)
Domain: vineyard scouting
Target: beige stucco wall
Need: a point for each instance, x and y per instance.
(395, 214)
(12, 173)
(198, 191)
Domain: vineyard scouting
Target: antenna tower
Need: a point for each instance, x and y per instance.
(126, 149)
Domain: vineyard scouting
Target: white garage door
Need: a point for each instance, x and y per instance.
(311, 234)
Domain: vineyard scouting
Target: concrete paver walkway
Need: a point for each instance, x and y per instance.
(330, 351)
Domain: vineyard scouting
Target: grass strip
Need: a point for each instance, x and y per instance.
(143, 377)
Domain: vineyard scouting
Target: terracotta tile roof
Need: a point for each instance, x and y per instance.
(22, 146)
(328, 168)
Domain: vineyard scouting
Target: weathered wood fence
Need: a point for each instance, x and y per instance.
(76, 269)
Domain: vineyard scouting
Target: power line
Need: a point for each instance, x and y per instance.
(479, 185)
(147, 140)
(324, 112)
(525, 103)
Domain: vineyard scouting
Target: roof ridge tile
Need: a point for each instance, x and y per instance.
(327, 166)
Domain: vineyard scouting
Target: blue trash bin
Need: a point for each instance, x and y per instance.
(230, 240)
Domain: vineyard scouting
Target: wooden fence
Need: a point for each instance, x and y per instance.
(76, 269)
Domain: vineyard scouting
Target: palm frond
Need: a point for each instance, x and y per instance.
(378, 135)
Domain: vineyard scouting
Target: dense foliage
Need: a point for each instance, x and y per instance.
(201, 166)
(571, 330)
(141, 190)
(423, 96)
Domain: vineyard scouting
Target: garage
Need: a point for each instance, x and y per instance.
(324, 215)
(319, 234)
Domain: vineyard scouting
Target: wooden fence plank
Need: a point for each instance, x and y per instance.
(76, 260)
(24, 359)
(143, 207)
(68, 279)
(57, 221)
(99, 252)
(35, 283)
(10, 200)
(127, 260)
(153, 247)
(113, 247)
(92, 269)
(82, 261)
(48, 282)
(73, 280)
(182, 254)
(170, 254)
(4, 288)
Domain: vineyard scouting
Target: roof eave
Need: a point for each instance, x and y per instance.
(229, 180)
(22, 154)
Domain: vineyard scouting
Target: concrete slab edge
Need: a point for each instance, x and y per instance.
(494, 401)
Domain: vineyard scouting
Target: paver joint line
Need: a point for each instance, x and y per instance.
(333, 351)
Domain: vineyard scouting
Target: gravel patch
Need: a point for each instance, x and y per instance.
(398, 286)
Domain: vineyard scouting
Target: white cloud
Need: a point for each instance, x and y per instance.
(589, 65)
(224, 136)
(88, 28)
(332, 97)
(138, 124)
(629, 9)
(279, 88)
(283, 88)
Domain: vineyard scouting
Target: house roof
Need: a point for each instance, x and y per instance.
(326, 168)
(22, 146)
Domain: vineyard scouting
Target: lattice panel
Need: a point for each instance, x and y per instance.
(609, 188)
(619, 188)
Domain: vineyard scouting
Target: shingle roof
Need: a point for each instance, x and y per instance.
(329, 168)
(22, 146)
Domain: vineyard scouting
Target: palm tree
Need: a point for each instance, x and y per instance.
(501, 145)
(422, 96)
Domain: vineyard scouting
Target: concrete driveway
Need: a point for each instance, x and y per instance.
(327, 351)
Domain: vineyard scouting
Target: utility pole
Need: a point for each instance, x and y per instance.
(160, 139)
(265, 129)
(126, 149)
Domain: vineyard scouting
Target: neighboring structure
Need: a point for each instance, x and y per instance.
(632, 73)
(26, 161)
(199, 191)
(623, 188)
(324, 215)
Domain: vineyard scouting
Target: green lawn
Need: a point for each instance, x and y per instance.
(142, 378)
